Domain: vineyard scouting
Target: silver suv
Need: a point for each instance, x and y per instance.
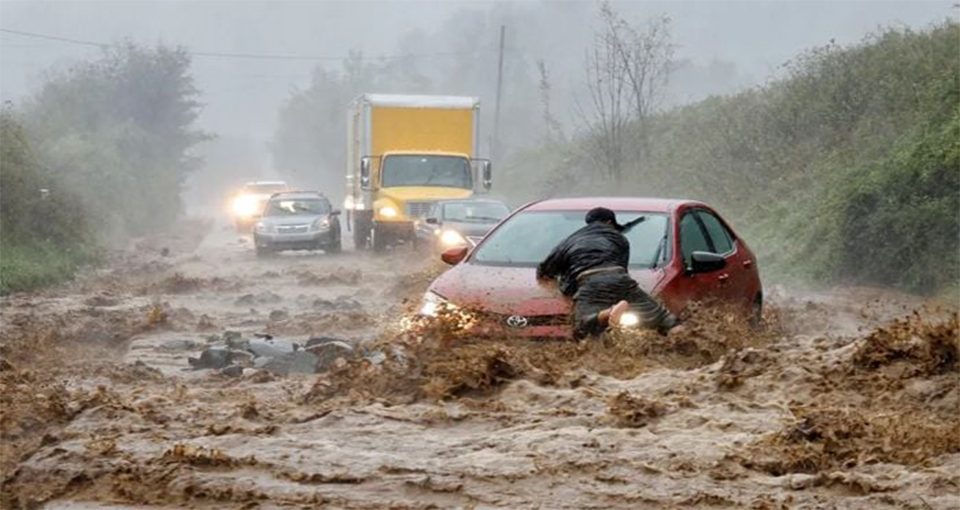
(297, 220)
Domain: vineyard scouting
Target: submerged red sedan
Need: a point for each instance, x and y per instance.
(682, 252)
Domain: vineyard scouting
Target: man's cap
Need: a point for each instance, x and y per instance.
(601, 214)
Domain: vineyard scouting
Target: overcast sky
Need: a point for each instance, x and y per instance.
(241, 96)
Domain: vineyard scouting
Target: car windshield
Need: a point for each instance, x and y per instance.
(475, 212)
(444, 171)
(264, 189)
(297, 206)
(527, 238)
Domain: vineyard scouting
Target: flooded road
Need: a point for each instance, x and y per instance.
(845, 399)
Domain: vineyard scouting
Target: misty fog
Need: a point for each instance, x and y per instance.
(721, 47)
(258, 255)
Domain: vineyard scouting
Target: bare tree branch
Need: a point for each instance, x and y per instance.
(626, 70)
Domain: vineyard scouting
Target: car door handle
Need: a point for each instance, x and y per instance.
(747, 263)
(724, 278)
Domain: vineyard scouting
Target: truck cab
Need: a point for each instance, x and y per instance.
(406, 154)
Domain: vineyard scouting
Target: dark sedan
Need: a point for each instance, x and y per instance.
(454, 223)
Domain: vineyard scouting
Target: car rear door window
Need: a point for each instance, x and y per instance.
(691, 237)
(721, 237)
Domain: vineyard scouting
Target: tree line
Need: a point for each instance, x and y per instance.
(97, 154)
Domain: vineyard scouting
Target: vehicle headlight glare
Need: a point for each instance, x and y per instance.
(452, 238)
(245, 205)
(321, 224)
(431, 304)
(629, 319)
(388, 212)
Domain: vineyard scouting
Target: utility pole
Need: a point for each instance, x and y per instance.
(495, 150)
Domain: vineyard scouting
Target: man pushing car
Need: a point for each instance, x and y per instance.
(590, 266)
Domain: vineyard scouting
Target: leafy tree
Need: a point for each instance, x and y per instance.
(119, 131)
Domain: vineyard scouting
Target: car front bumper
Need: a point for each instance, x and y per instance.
(489, 325)
(298, 241)
(534, 326)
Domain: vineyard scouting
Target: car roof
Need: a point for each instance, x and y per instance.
(472, 201)
(297, 194)
(615, 203)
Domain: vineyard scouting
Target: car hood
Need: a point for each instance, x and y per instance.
(513, 290)
(300, 219)
(469, 229)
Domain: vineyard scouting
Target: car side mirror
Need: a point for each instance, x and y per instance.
(705, 262)
(454, 256)
(336, 212)
(432, 221)
(365, 172)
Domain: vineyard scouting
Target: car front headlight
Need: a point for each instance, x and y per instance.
(321, 224)
(262, 227)
(629, 320)
(388, 212)
(452, 238)
(432, 302)
(245, 205)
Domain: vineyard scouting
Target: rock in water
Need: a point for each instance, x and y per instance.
(376, 358)
(211, 357)
(300, 362)
(232, 371)
(328, 352)
(220, 357)
(272, 348)
(242, 358)
(317, 340)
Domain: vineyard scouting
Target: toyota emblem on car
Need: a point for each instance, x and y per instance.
(517, 321)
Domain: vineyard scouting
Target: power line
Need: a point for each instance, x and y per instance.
(52, 38)
(256, 56)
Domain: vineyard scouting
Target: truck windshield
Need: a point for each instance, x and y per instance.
(418, 170)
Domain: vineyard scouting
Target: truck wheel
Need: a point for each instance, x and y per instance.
(361, 232)
(380, 240)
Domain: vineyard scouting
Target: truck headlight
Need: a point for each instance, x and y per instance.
(431, 304)
(452, 238)
(245, 205)
(387, 212)
(629, 320)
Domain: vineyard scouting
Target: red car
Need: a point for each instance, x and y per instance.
(683, 252)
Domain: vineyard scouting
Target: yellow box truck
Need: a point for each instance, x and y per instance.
(404, 153)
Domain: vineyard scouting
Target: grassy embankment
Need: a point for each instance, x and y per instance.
(45, 238)
(844, 171)
(110, 141)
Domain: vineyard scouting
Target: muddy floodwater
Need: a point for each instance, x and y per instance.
(845, 398)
